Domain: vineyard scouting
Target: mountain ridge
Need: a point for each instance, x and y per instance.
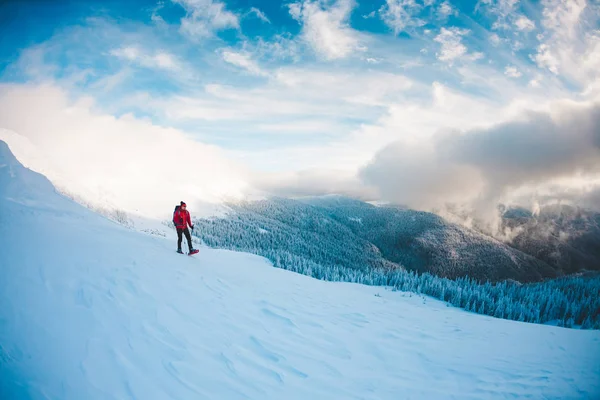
(416, 240)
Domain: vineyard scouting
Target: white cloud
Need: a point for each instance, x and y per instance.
(536, 82)
(242, 60)
(546, 58)
(507, 15)
(512, 72)
(289, 94)
(481, 167)
(517, 45)
(158, 60)
(312, 182)
(205, 17)
(451, 41)
(400, 14)
(110, 82)
(279, 47)
(327, 91)
(495, 39)
(524, 24)
(155, 17)
(32, 62)
(504, 10)
(444, 108)
(563, 16)
(165, 60)
(569, 47)
(445, 10)
(370, 15)
(128, 53)
(506, 6)
(475, 56)
(260, 15)
(125, 162)
(299, 126)
(411, 119)
(452, 48)
(326, 28)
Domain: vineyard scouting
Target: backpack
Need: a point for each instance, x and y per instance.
(174, 212)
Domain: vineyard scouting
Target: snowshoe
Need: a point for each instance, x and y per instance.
(179, 251)
(193, 251)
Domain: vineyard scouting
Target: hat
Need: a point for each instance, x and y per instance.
(183, 204)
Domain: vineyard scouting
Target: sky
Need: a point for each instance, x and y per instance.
(418, 102)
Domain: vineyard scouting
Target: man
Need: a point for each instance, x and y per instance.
(181, 219)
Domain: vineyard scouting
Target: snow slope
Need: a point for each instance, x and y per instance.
(92, 310)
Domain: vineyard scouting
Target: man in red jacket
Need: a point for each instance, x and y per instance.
(182, 219)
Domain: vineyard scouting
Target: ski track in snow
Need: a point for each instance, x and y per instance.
(91, 310)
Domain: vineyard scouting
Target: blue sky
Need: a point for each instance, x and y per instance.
(311, 89)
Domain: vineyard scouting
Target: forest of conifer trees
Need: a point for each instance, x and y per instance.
(331, 251)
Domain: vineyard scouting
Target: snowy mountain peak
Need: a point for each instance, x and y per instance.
(20, 184)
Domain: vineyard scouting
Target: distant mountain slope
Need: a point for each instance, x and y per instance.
(336, 230)
(425, 242)
(565, 237)
(301, 229)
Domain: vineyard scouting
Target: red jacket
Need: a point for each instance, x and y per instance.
(182, 219)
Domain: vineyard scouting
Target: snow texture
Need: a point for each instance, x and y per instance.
(92, 310)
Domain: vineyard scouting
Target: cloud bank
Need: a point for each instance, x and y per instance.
(483, 167)
(125, 162)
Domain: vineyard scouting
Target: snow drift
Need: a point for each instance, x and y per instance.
(92, 310)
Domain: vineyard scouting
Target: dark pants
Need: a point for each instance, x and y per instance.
(185, 231)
